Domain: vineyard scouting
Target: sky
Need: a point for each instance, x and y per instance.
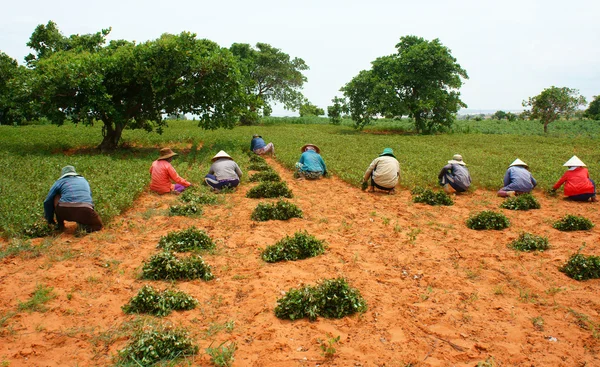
(510, 49)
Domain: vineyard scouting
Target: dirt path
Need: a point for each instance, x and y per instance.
(438, 293)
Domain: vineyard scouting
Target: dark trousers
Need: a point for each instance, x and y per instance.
(378, 186)
(211, 180)
(84, 216)
(584, 197)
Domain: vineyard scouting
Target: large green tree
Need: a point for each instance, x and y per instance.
(553, 103)
(309, 109)
(128, 85)
(270, 75)
(16, 104)
(421, 81)
(593, 110)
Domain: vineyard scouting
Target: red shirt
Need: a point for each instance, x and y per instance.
(576, 182)
(162, 173)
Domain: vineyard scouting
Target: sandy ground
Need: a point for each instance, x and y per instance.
(438, 293)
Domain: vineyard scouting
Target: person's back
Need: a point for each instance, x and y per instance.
(386, 171)
(519, 179)
(225, 169)
(257, 143)
(74, 189)
(461, 175)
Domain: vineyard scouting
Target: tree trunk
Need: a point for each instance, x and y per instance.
(546, 127)
(112, 136)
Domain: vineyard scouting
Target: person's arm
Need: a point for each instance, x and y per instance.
(560, 182)
(175, 177)
(301, 161)
(323, 164)
(444, 170)
(238, 171)
(252, 144)
(49, 203)
(533, 181)
(507, 178)
(370, 170)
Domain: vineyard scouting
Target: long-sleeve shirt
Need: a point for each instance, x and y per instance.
(257, 143)
(225, 169)
(72, 189)
(518, 179)
(162, 172)
(456, 174)
(385, 170)
(576, 182)
(311, 161)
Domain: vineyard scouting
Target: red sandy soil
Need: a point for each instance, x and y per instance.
(438, 293)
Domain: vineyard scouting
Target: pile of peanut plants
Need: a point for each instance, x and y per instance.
(268, 190)
(167, 266)
(191, 239)
(488, 219)
(263, 176)
(529, 242)
(573, 223)
(281, 210)
(430, 197)
(300, 246)
(521, 202)
(581, 267)
(159, 303)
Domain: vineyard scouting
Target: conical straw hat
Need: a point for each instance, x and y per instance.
(574, 162)
(221, 154)
(518, 162)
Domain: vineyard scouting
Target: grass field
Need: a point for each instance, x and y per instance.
(31, 156)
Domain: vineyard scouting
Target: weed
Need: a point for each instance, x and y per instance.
(530, 242)
(581, 267)
(584, 322)
(488, 219)
(22, 248)
(332, 298)
(214, 328)
(4, 319)
(222, 355)
(264, 176)
(573, 223)
(186, 240)
(328, 347)
(41, 295)
(526, 296)
(538, 323)
(430, 197)
(412, 234)
(166, 266)
(554, 290)
(40, 228)
(300, 246)
(281, 210)
(428, 291)
(498, 290)
(489, 362)
(151, 301)
(521, 202)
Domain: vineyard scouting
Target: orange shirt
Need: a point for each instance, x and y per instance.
(162, 173)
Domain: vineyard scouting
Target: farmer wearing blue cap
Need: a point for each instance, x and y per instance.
(70, 199)
(384, 172)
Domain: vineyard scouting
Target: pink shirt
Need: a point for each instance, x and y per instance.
(162, 173)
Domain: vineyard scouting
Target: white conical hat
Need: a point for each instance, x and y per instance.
(574, 162)
(518, 162)
(221, 154)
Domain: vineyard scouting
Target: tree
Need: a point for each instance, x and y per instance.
(553, 103)
(593, 111)
(309, 109)
(421, 80)
(499, 115)
(511, 116)
(128, 85)
(335, 111)
(16, 104)
(270, 75)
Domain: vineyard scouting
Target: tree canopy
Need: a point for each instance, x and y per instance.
(553, 103)
(421, 80)
(309, 109)
(593, 111)
(269, 75)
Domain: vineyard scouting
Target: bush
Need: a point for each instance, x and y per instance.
(150, 301)
(521, 202)
(37, 229)
(428, 196)
(581, 267)
(186, 240)
(270, 190)
(259, 167)
(270, 176)
(573, 223)
(301, 246)
(488, 219)
(332, 298)
(530, 242)
(282, 210)
(255, 158)
(195, 196)
(191, 209)
(166, 266)
(157, 343)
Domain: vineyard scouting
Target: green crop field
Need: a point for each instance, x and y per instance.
(31, 156)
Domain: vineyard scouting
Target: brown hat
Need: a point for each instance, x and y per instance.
(166, 153)
(303, 149)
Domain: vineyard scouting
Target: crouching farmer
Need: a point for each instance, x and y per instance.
(223, 172)
(311, 165)
(70, 199)
(454, 176)
(162, 173)
(383, 172)
(258, 146)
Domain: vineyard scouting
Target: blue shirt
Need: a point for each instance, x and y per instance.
(257, 143)
(72, 189)
(311, 161)
(518, 178)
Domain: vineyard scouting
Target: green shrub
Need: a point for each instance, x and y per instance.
(196, 196)
(332, 298)
(521, 202)
(186, 240)
(151, 301)
(301, 246)
(255, 158)
(530, 242)
(269, 190)
(428, 196)
(271, 176)
(581, 267)
(259, 167)
(191, 209)
(281, 210)
(573, 223)
(166, 266)
(488, 219)
(156, 343)
(41, 228)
